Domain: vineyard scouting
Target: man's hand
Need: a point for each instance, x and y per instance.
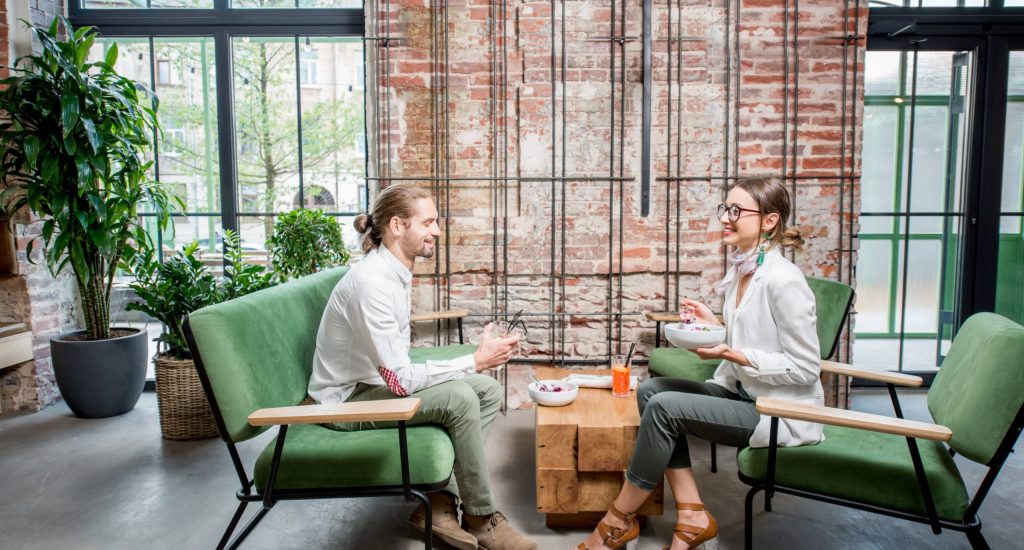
(723, 351)
(698, 312)
(493, 349)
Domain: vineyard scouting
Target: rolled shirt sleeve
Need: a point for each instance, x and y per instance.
(799, 362)
(373, 311)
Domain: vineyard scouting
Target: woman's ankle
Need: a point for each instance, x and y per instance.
(692, 517)
(613, 520)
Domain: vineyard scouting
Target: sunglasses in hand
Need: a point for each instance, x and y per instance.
(515, 322)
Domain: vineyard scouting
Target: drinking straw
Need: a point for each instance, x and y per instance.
(629, 356)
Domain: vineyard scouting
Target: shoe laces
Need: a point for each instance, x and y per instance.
(496, 518)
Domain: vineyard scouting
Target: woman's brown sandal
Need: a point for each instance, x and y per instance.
(614, 537)
(692, 535)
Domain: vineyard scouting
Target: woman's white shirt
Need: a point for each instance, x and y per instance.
(775, 327)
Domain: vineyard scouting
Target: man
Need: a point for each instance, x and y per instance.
(362, 354)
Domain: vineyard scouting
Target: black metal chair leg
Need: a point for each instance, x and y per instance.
(768, 500)
(748, 519)
(248, 528)
(428, 526)
(714, 458)
(231, 525)
(976, 539)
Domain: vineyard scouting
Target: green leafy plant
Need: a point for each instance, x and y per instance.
(73, 154)
(304, 242)
(241, 278)
(181, 284)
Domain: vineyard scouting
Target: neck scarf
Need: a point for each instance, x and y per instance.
(742, 263)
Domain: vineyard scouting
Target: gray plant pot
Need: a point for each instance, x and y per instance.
(100, 378)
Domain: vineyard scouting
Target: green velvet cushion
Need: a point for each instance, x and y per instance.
(440, 353)
(980, 386)
(866, 467)
(318, 457)
(832, 300)
(258, 349)
(681, 363)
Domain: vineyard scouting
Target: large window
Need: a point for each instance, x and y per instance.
(259, 99)
(941, 234)
(910, 206)
(261, 109)
(1010, 278)
(293, 141)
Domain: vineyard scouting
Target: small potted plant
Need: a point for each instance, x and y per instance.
(73, 147)
(304, 242)
(168, 291)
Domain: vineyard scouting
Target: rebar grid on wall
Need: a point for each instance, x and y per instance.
(501, 180)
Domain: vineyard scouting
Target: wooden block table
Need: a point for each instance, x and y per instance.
(583, 450)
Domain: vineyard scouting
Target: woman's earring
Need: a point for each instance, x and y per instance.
(761, 249)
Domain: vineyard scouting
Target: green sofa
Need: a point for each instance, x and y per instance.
(254, 357)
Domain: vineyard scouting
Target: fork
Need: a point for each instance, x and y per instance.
(540, 385)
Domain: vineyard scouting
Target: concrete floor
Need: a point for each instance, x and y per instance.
(114, 483)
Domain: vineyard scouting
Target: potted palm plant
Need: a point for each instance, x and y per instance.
(168, 291)
(73, 146)
(305, 242)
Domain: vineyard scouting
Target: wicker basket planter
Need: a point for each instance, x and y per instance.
(184, 411)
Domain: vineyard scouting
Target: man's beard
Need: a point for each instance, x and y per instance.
(422, 251)
(425, 252)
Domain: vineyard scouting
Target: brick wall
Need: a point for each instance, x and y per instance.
(49, 306)
(712, 127)
(32, 296)
(4, 41)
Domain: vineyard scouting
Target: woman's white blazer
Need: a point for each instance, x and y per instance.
(774, 326)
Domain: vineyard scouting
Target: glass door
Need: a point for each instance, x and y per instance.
(1010, 270)
(915, 124)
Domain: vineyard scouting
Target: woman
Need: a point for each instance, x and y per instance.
(771, 349)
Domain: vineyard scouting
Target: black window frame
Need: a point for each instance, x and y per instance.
(223, 23)
(989, 33)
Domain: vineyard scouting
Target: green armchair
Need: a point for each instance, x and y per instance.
(254, 356)
(832, 303)
(901, 468)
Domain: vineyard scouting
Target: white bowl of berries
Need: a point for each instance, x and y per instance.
(552, 393)
(694, 335)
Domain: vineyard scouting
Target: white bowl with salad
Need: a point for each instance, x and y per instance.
(552, 393)
(694, 335)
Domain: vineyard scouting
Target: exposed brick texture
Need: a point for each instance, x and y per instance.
(705, 105)
(5, 45)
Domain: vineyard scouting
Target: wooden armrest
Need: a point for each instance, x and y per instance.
(878, 376)
(360, 411)
(662, 316)
(852, 419)
(438, 315)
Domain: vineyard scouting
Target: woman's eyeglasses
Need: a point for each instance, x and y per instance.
(733, 210)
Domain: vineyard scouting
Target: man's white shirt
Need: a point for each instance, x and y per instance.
(364, 335)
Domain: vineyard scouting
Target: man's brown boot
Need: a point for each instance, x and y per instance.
(445, 521)
(494, 533)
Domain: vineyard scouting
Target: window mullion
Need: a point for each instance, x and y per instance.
(226, 130)
(298, 121)
(152, 87)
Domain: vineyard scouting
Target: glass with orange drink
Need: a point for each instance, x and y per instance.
(620, 376)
